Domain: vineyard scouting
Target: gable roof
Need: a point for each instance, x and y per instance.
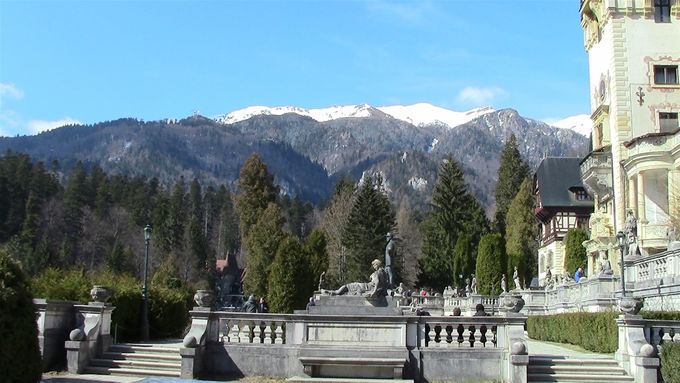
(556, 180)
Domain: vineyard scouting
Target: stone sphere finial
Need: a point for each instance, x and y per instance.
(189, 341)
(518, 348)
(77, 335)
(647, 351)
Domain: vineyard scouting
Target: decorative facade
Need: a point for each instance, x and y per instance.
(634, 58)
(562, 203)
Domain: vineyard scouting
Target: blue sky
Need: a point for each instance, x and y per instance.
(91, 61)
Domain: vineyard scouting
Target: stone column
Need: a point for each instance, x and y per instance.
(641, 212)
(632, 194)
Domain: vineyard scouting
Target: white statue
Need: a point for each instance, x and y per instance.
(631, 233)
(473, 285)
(504, 284)
(605, 265)
(515, 278)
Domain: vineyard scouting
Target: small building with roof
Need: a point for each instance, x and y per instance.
(562, 203)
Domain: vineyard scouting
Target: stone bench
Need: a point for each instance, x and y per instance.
(360, 367)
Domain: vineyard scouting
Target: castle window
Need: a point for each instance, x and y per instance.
(582, 195)
(666, 74)
(662, 11)
(668, 122)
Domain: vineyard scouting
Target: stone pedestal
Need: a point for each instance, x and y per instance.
(354, 305)
(91, 337)
(55, 320)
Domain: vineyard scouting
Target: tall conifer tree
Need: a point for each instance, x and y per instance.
(511, 172)
(520, 235)
(257, 191)
(262, 243)
(369, 221)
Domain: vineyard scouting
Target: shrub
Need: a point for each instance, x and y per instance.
(168, 308)
(20, 359)
(593, 331)
(68, 285)
(670, 362)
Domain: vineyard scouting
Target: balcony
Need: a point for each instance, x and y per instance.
(596, 172)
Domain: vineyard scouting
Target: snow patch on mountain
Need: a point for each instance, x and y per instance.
(421, 114)
(580, 124)
(417, 183)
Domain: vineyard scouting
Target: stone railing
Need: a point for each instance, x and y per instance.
(439, 347)
(438, 305)
(656, 279)
(658, 332)
(593, 295)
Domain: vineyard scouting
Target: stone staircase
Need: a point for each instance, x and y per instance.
(137, 360)
(550, 368)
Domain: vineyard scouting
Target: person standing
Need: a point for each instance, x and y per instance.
(578, 274)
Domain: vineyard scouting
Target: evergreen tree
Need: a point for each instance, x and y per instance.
(229, 237)
(520, 236)
(257, 191)
(575, 254)
(20, 359)
(289, 275)
(177, 215)
(75, 198)
(198, 244)
(454, 211)
(317, 257)
(463, 261)
(491, 264)
(370, 219)
(512, 171)
(262, 243)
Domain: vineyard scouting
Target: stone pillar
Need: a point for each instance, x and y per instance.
(55, 320)
(634, 353)
(519, 362)
(91, 337)
(632, 194)
(203, 326)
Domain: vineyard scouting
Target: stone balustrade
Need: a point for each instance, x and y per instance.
(658, 332)
(655, 279)
(432, 347)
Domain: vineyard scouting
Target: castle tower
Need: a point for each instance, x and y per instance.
(634, 57)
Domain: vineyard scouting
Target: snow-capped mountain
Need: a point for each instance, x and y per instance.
(427, 114)
(580, 124)
(417, 114)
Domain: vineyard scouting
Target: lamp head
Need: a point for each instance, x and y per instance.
(147, 232)
(621, 237)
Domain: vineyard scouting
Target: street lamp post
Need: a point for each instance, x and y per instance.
(621, 238)
(145, 287)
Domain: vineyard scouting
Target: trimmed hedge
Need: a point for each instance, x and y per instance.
(20, 359)
(661, 315)
(168, 308)
(670, 362)
(593, 331)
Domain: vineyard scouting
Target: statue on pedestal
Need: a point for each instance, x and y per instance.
(504, 284)
(390, 251)
(631, 233)
(605, 266)
(376, 287)
(473, 285)
(515, 278)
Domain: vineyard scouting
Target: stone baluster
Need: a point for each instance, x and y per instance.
(478, 337)
(268, 333)
(666, 335)
(232, 336)
(466, 336)
(279, 333)
(244, 335)
(257, 333)
(430, 335)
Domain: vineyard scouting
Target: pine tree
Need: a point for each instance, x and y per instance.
(512, 171)
(75, 198)
(177, 215)
(575, 254)
(369, 221)
(289, 275)
(520, 236)
(454, 211)
(491, 264)
(257, 191)
(262, 243)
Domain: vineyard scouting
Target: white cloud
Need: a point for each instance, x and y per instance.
(37, 126)
(480, 96)
(10, 90)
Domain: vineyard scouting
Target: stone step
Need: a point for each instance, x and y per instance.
(130, 372)
(305, 379)
(165, 357)
(576, 370)
(144, 364)
(581, 378)
(143, 348)
(547, 360)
